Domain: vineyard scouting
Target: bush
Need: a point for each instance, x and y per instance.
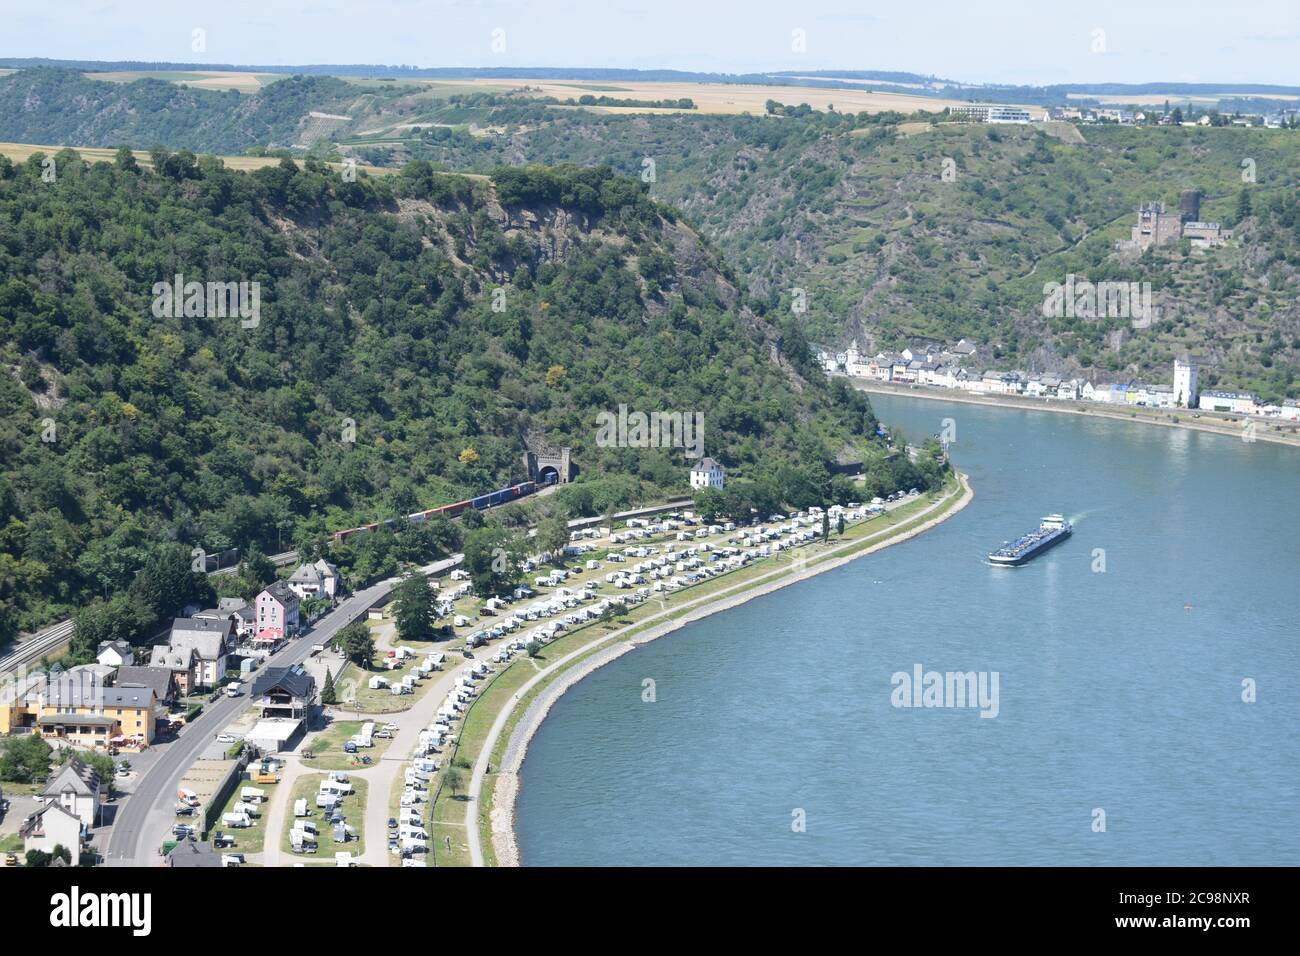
(193, 712)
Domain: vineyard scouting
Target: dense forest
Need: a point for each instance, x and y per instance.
(853, 210)
(414, 332)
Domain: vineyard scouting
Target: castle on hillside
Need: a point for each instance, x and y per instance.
(1156, 226)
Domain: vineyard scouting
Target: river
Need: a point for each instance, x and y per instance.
(1122, 656)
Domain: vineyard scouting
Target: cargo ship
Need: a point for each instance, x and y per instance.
(1052, 530)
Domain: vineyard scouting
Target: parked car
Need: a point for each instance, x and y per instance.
(383, 735)
(182, 830)
(184, 811)
(11, 859)
(392, 823)
(222, 840)
(225, 738)
(390, 727)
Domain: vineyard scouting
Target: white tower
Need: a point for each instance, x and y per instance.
(1185, 392)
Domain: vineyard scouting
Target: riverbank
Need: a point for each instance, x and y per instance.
(542, 691)
(1230, 426)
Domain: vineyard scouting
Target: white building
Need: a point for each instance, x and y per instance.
(52, 826)
(75, 788)
(1238, 403)
(991, 114)
(1185, 391)
(315, 580)
(707, 473)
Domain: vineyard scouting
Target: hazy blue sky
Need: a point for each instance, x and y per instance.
(1040, 41)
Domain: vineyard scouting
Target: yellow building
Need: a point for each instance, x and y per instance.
(93, 717)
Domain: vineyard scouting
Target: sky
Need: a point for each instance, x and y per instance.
(997, 41)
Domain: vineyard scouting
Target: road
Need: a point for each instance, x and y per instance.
(143, 821)
(726, 597)
(55, 637)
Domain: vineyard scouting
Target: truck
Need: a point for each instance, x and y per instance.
(233, 688)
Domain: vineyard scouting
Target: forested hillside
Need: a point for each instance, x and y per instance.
(855, 211)
(49, 106)
(414, 331)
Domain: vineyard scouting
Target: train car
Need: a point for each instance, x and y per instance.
(480, 503)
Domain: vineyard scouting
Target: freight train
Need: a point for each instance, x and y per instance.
(481, 503)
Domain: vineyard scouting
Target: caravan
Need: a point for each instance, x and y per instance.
(335, 788)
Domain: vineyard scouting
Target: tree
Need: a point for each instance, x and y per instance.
(454, 779)
(413, 609)
(552, 536)
(328, 694)
(24, 759)
(492, 560)
(167, 582)
(826, 526)
(125, 159)
(533, 648)
(102, 764)
(839, 525)
(1243, 204)
(357, 644)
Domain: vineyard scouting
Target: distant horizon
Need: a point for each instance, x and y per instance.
(1011, 42)
(843, 75)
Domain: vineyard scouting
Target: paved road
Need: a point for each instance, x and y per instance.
(56, 637)
(143, 822)
(735, 594)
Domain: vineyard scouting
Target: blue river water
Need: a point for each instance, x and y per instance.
(773, 739)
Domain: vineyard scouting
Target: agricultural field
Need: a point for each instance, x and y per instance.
(735, 98)
(203, 80)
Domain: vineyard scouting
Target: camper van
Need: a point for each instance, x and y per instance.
(300, 807)
(336, 788)
(307, 828)
(326, 801)
(236, 821)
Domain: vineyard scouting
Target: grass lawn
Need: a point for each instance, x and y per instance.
(327, 747)
(477, 723)
(11, 843)
(354, 806)
(351, 680)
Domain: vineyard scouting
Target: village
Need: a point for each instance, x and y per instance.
(956, 368)
(314, 750)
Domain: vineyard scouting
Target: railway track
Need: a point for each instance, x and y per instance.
(56, 637)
